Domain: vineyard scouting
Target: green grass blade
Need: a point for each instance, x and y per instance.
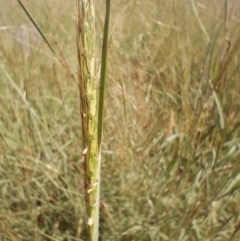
(103, 72)
(36, 26)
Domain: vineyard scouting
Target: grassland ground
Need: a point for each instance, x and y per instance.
(171, 129)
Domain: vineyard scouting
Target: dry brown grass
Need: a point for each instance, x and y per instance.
(159, 181)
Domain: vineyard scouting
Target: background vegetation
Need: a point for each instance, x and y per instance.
(171, 131)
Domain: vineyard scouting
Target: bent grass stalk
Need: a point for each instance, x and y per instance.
(91, 109)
